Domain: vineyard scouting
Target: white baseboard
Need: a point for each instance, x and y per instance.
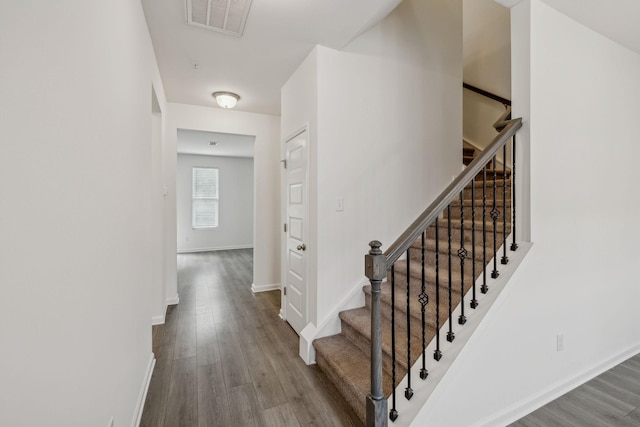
(264, 288)
(142, 397)
(281, 314)
(527, 406)
(213, 249)
(173, 300)
(157, 320)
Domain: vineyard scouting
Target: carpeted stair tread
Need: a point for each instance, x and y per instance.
(349, 370)
(489, 182)
(415, 271)
(442, 224)
(443, 261)
(468, 203)
(415, 308)
(358, 321)
(443, 247)
(456, 228)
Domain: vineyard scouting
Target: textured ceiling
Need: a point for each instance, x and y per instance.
(227, 145)
(278, 35)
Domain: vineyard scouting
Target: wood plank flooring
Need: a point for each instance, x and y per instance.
(225, 358)
(610, 399)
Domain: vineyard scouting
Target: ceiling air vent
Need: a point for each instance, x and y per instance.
(224, 16)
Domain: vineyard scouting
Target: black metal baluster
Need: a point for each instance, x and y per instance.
(514, 245)
(437, 354)
(450, 335)
(484, 289)
(462, 254)
(393, 413)
(408, 392)
(504, 260)
(474, 301)
(424, 299)
(495, 214)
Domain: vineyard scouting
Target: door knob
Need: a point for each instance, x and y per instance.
(302, 247)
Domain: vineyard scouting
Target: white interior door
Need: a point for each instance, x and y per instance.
(295, 292)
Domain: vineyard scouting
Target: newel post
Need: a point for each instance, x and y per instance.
(375, 268)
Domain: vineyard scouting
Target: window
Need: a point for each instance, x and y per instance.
(204, 198)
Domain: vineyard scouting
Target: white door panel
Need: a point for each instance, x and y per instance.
(296, 296)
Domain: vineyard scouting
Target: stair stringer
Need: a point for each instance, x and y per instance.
(422, 390)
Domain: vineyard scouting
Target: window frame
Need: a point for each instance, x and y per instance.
(195, 198)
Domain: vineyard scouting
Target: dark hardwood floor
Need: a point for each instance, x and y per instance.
(225, 358)
(610, 399)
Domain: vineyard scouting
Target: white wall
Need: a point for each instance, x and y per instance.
(158, 214)
(75, 173)
(300, 109)
(235, 216)
(580, 277)
(487, 65)
(388, 111)
(266, 204)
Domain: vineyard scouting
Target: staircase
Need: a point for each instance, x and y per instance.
(345, 358)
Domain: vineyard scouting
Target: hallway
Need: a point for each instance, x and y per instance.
(225, 358)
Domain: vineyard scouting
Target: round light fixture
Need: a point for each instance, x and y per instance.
(226, 99)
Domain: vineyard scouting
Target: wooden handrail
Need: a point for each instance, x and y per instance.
(503, 101)
(400, 246)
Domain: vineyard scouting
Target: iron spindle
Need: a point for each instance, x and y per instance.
(423, 299)
(474, 301)
(462, 254)
(505, 259)
(437, 354)
(408, 392)
(484, 288)
(393, 413)
(514, 245)
(495, 214)
(450, 335)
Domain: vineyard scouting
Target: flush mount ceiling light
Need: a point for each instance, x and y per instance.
(226, 99)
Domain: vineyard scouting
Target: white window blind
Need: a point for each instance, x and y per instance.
(205, 198)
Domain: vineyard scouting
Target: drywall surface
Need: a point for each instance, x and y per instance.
(266, 204)
(580, 278)
(487, 65)
(300, 111)
(389, 108)
(487, 46)
(235, 221)
(75, 172)
(382, 115)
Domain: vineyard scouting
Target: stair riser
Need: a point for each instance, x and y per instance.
(364, 344)
(489, 194)
(415, 309)
(468, 212)
(430, 260)
(353, 399)
(455, 233)
(490, 175)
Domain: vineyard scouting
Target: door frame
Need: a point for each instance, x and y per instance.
(305, 229)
